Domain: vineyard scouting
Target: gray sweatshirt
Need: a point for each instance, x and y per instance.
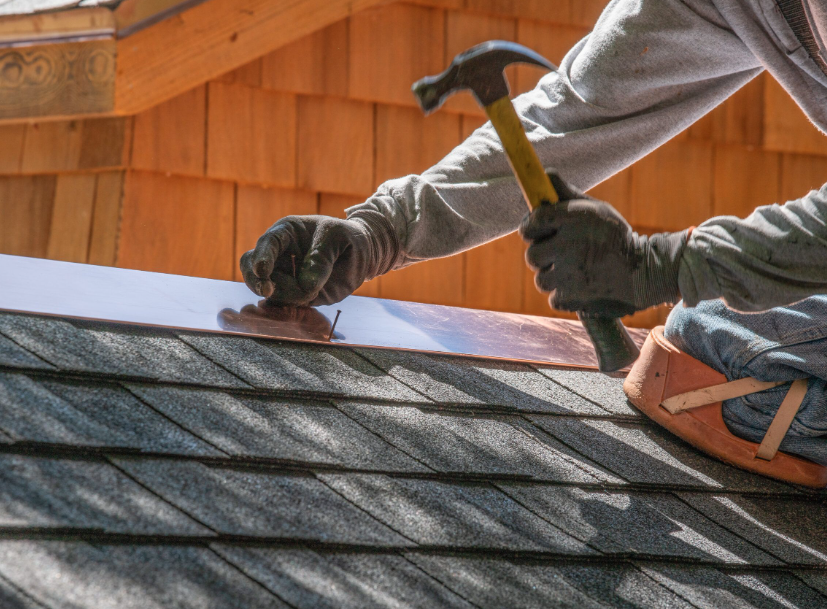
(608, 105)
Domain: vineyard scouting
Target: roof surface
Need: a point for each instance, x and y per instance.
(28, 7)
(147, 468)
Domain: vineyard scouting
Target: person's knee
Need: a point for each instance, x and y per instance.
(693, 331)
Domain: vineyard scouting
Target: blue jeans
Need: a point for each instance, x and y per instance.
(781, 344)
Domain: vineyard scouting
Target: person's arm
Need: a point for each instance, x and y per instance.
(648, 70)
(775, 256)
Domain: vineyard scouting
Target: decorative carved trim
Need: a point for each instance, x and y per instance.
(57, 80)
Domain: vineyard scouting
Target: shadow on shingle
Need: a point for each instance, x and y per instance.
(458, 380)
(72, 575)
(792, 530)
(490, 445)
(88, 415)
(108, 349)
(258, 504)
(654, 524)
(646, 454)
(708, 588)
(297, 367)
(303, 431)
(57, 493)
(492, 582)
(443, 514)
(305, 578)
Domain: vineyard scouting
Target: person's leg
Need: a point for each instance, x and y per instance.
(782, 344)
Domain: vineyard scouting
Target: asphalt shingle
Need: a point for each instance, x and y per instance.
(61, 493)
(492, 582)
(64, 575)
(479, 382)
(302, 368)
(93, 415)
(597, 388)
(259, 504)
(443, 514)
(708, 588)
(498, 445)
(647, 454)
(640, 523)
(114, 350)
(277, 429)
(14, 356)
(793, 530)
(305, 578)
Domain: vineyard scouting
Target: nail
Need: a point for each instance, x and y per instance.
(335, 321)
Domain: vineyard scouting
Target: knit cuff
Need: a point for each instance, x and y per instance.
(385, 251)
(655, 280)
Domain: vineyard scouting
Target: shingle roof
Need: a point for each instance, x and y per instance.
(148, 468)
(28, 7)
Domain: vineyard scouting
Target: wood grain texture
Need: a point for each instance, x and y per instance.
(464, 30)
(548, 10)
(549, 40)
(11, 148)
(494, 275)
(616, 191)
(72, 217)
(407, 142)
(249, 74)
(251, 135)
(335, 145)
(174, 224)
(672, 187)
(171, 136)
(744, 179)
(52, 146)
(56, 80)
(335, 205)
(384, 72)
(435, 282)
(75, 145)
(212, 38)
(801, 173)
(583, 12)
(55, 25)
(317, 64)
(471, 124)
(103, 242)
(257, 209)
(26, 212)
(786, 127)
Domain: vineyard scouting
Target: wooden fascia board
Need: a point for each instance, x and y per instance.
(62, 26)
(74, 63)
(182, 52)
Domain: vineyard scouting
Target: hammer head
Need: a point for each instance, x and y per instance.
(479, 69)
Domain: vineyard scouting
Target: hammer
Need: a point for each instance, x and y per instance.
(480, 69)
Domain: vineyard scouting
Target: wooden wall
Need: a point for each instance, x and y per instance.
(314, 127)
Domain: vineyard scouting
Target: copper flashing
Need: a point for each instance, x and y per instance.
(83, 291)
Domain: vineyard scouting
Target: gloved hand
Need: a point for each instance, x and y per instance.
(318, 260)
(589, 258)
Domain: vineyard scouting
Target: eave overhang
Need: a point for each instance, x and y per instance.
(91, 62)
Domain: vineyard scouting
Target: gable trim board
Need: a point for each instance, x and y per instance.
(85, 64)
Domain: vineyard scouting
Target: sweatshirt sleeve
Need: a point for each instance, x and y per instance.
(775, 256)
(648, 70)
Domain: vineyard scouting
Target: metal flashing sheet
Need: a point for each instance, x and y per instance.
(81, 291)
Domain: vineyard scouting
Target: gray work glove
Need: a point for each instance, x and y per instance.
(318, 260)
(589, 258)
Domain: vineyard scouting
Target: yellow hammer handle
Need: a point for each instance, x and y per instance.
(530, 173)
